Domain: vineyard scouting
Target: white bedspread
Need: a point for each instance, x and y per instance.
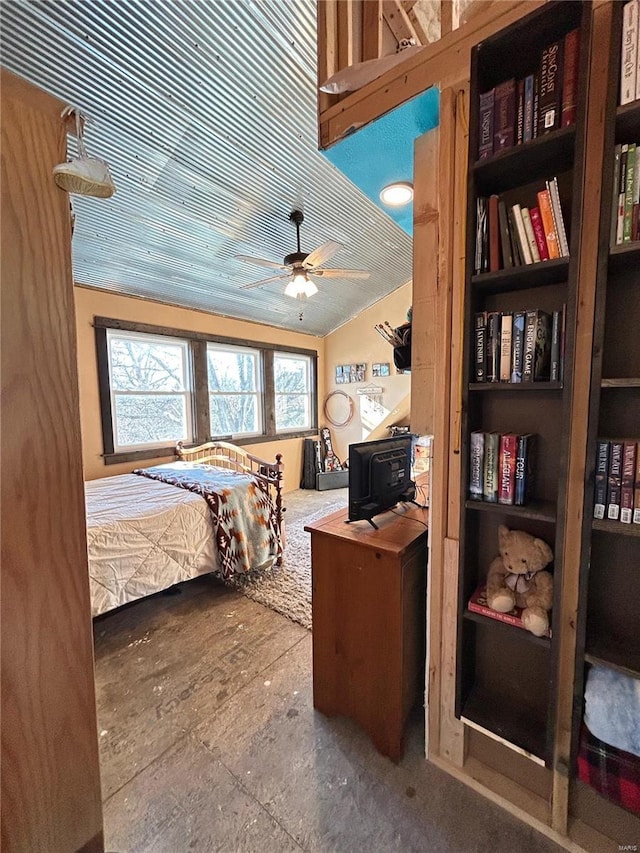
(144, 536)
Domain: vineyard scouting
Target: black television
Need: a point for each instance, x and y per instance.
(379, 476)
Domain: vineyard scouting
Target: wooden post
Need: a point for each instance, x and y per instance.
(371, 29)
(50, 774)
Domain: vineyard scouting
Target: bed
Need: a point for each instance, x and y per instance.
(216, 509)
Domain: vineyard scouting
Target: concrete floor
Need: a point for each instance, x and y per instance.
(209, 741)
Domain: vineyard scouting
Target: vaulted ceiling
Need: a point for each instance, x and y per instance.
(206, 113)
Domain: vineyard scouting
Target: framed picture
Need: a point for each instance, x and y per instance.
(380, 369)
(339, 375)
(361, 369)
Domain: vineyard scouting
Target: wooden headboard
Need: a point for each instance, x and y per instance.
(226, 455)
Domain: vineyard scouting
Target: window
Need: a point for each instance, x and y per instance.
(159, 386)
(235, 398)
(150, 390)
(292, 384)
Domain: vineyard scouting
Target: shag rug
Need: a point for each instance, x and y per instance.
(287, 589)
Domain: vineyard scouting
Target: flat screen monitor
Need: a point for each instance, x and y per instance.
(379, 476)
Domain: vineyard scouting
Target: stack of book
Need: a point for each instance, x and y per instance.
(501, 467)
(617, 481)
(517, 111)
(512, 236)
(478, 604)
(625, 207)
(630, 57)
(526, 346)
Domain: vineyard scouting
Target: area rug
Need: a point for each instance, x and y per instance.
(287, 589)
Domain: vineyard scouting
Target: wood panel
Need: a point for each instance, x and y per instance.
(50, 778)
(577, 462)
(443, 63)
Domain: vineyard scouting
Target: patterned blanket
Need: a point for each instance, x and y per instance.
(242, 512)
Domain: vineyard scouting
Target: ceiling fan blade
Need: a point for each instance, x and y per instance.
(261, 262)
(264, 281)
(322, 254)
(341, 273)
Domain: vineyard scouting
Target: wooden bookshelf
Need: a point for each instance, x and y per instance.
(491, 692)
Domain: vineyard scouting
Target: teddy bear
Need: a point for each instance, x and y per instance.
(516, 578)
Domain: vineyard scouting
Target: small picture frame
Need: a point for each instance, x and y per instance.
(380, 369)
(360, 371)
(340, 378)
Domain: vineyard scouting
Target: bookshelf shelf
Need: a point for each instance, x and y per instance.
(545, 642)
(517, 387)
(540, 274)
(626, 382)
(628, 119)
(518, 724)
(623, 255)
(537, 511)
(535, 159)
(607, 652)
(604, 525)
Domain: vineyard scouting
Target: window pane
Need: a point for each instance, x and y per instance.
(234, 414)
(291, 374)
(232, 370)
(138, 365)
(292, 410)
(147, 419)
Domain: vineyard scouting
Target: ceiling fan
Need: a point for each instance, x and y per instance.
(302, 267)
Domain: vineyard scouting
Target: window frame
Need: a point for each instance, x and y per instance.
(259, 393)
(200, 388)
(308, 395)
(187, 393)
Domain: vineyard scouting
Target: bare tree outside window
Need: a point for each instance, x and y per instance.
(293, 391)
(234, 391)
(150, 390)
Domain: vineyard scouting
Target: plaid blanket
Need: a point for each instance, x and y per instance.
(242, 512)
(614, 773)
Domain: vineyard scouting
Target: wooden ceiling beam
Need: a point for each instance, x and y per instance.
(398, 21)
(371, 29)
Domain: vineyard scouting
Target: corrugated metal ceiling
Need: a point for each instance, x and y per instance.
(206, 113)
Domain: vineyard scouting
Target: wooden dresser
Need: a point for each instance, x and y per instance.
(369, 620)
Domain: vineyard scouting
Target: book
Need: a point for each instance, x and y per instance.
(505, 237)
(636, 491)
(517, 346)
(476, 466)
(525, 479)
(478, 604)
(550, 105)
(536, 103)
(521, 236)
(614, 199)
(527, 131)
(485, 123)
(504, 118)
(614, 483)
(570, 78)
(490, 471)
(529, 349)
(517, 257)
(520, 112)
(551, 239)
(528, 230)
(628, 193)
(556, 330)
(506, 327)
(494, 235)
(538, 233)
(601, 479)
(493, 346)
(542, 358)
(628, 481)
(629, 57)
(622, 185)
(563, 335)
(507, 468)
(480, 348)
(481, 224)
(635, 212)
(558, 219)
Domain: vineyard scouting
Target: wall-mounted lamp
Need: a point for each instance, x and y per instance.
(397, 194)
(299, 286)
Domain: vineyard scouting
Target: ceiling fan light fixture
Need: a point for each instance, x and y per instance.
(299, 286)
(397, 194)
